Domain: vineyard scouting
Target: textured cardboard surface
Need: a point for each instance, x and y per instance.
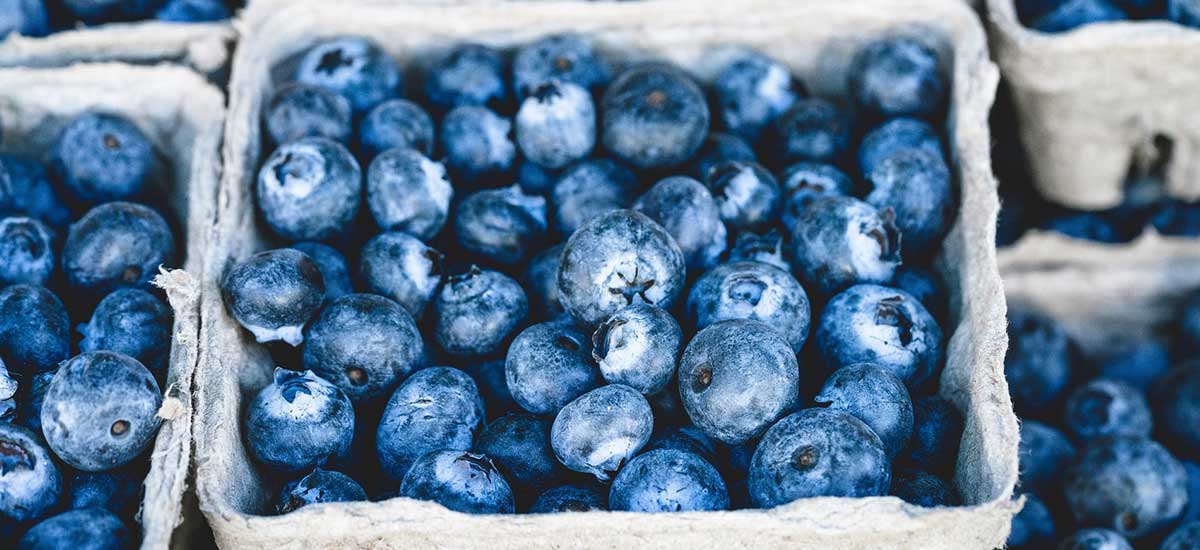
(1088, 99)
(816, 39)
(204, 47)
(182, 115)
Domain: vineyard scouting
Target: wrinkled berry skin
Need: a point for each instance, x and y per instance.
(937, 430)
(35, 333)
(638, 347)
(274, 293)
(668, 480)
(476, 312)
(101, 410)
(841, 241)
(541, 282)
(26, 190)
(1038, 362)
(299, 422)
(26, 251)
(364, 344)
(1094, 539)
(135, 323)
(461, 481)
(751, 92)
(1071, 14)
(923, 489)
(435, 408)
(916, 185)
(883, 326)
(813, 130)
(1103, 408)
(654, 116)
(548, 365)
(318, 487)
(893, 136)
(601, 430)
(875, 396)
(398, 266)
(726, 363)
(477, 145)
(309, 189)
(300, 110)
(897, 77)
(589, 189)
(1033, 526)
(354, 67)
(556, 124)
(89, 528)
(118, 491)
(617, 259)
(1044, 454)
(503, 226)
(116, 245)
(1185, 537)
(805, 182)
(30, 483)
(396, 124)
(468, 74)
(519, 444)
(560, 57)
(686, 209)
(335, 270)
(817, 452)
(747, 195)
(768, 248)
(1176, 399)
(570, 498)
(100, 157)
(751, 290)
(408, 192)
(1130, 485)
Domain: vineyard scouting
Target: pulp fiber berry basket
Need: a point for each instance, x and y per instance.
(182, 116)
(816, 39)
(1093, 101)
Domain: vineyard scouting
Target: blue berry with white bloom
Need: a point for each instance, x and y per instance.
(309, 189)
(668, 480)
(398, 266)
(654, 116)
(556, 124)
(26, 251)
(299, 422)
(601, 430)
(406, 191)
(274, 293)
(354, 67)
(478, 147)
(434, 409)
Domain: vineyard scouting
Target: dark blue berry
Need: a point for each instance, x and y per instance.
(1130, 485)
(396, 123)
(589, 189)
(1071, 14)
(408, 192)
(916, 185)
(654, 116)
(88, 528)
(751, 290)
(896, 77)
(309, 189)
(299, 110)
(299, 422)
(893, 136)
(135, 323)
(556, 124)
(1038, 362)
(719, 148)
(751, 92)
(561, 57)
(398, 266)
(477, 312)
(937, 430)
(668, 480)
(686, 209)
(273, 294)
(813, 130)
(541, 283)
(601, 430)
(838, 242)
(1044, 454)
(875, 396)
(638, 347)
(101, 157)
(35, 333)
(117, 245)
(478, 147)
(1103, 408)
(317, 487)
(461, 481)
(31, 484)
(519, 444)
(503, 226)
(923, 489)
(570, 498)
(26, 251)
(335, 270)
(467, 74)
(883, 326)
(434, 409)
(354, 67)
(548, 365)
(747, 194)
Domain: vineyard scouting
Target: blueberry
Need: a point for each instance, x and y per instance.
(541, 282)
(728, 361)
(719, 148)
(1176, 399)
(434, 409)
(747, 194)
(916, 184)
(923, 489)
(1038, 362)
(1044, 454)
(884, 326)
(654, 116)
(8, 393)
(364, 344)
(1094, 539)
(556, 124)
(398, 266)
(26, 251)
(589, 189)
(805, 182)
(309, 189)
(548, 366)
(893, 136)
(477, 145)
(561, 57)
(30, 484)
(601, 430)
(24, 17)
(897, 77)
(101, 157)
(875, 396)
(813, 130)
(86, 529)
(1184, 537)
(520, 445)
(668, 480)
(396, 123)
(1184, 12)
(35, 333)
(477, 312)
(638, 347)
(468, 74)
(100, 410)
(570, 498)
(924, 285)
(751, 290)
(617, 259)
(135, 323)
(841, 241)
(686, 209)
(117, 245)
(29, 406)
(95, 12)
(299, 422)
(319, 486)
(1131, 485)
(1104, 408)
(534, 178)
(335, 270)
(489, 378)
(299, 110)
(937, 429)
(461, 481)
(408, 192)
(27, 190)
(118, 491)
(1032, 527)
(193, 11)
(1071, 14)
(503, 226)
(353, 67)
(751, 92)
(274, 293)
(687, 438)
(1090, 226)
(767, 248)
(814, 453)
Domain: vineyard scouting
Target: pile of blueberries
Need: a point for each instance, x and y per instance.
(76, 430)
(628, 323)
(43, 17)
(1064, 15)
(1110, 452)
